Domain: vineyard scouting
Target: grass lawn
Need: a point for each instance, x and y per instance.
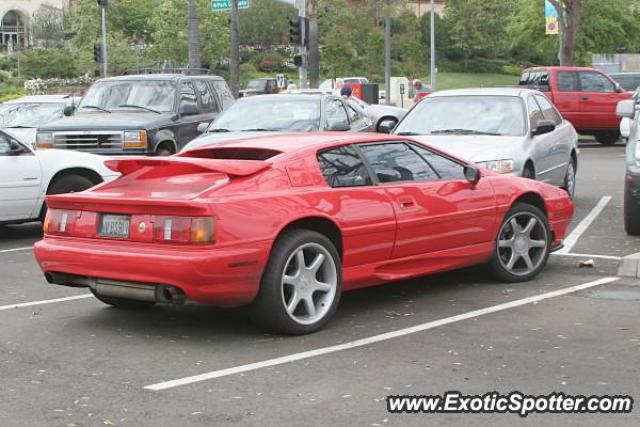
(464, 80)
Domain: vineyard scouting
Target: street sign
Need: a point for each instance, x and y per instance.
(225, 5)
(281, 80)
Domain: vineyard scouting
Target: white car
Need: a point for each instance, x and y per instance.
(27, 176)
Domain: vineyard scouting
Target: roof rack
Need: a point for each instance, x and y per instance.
(171, 70)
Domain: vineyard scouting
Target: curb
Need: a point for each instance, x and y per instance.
(629, 266)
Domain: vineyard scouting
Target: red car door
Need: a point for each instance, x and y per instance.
(598, 100)
(566, 96)
(436, 208)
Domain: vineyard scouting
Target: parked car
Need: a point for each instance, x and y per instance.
(508, 130)
(261, 86)
(139, 114)
(586, 97)
(302, 112)
(628, 80)
(628, 109)
(380, 113)
(336, 83)
(286, 223)
(21, 117)
(27, 175)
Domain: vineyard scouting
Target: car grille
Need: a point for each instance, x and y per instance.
(88, 141)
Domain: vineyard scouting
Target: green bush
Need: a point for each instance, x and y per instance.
(48, 63)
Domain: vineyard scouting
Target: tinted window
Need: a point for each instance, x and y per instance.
(158, 95)
(397, 162)
(343, 167)
(188, 94)
(5, 144)
(535, 79)
(444, 167)
(535, 114)
(595, 82)
(548, 110)
(628, 82)
(224, 94)
(353, 114)
(336, 113)
(207, 103)
(567, 82)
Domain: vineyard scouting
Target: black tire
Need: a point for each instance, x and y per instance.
(67, 184)
(268, 310)
(570, 175)
(496, 263)
(631, 213)
(163, 151)
(528, 171)
(608, 138)
(127, 304)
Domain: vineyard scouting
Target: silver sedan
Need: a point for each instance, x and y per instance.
(508, 130)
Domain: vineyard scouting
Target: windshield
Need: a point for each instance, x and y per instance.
(488, 115)
(256, 84)
(270, 113)
(156, 95)
(29, 115)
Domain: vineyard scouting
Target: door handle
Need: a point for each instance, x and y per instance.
(406, 203)
(584, 98)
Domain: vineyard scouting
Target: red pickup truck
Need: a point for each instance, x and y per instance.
(585, 96)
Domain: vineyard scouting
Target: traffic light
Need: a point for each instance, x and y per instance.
(103, 3)
(97, 53)
(298, 31)
(297, 60)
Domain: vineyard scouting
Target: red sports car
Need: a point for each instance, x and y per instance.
(287, 223)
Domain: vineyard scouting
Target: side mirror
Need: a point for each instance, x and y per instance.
(386, 126)
(339, 127)
(625, 127)
(626, 108)
(202, 127)
(189, 109)
(544, 126)
(619, 88)
(472, 174)
(69, 110)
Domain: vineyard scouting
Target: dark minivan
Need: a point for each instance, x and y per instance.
(139, 114)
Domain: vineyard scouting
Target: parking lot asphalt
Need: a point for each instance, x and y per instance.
(79, 362)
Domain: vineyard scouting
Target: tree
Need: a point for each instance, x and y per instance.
(47, 27)
(266, 23)
(569, 17)
(194, 36)
(48, 62)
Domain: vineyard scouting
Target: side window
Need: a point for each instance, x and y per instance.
(567, 81)
(207, 103)
(548, 110)
(188, 100)
(224, 94)
(444, 167)
(535, 114)
(595, 82)
(336, 113)
(5, 145)
(343, 167)
(353, 114)
(396, 161)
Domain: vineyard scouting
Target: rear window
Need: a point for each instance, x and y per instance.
(232, 153)
(536, 79)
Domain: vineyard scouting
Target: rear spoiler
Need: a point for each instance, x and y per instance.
(193, 165)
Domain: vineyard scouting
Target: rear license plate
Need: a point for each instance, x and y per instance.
(115, 226)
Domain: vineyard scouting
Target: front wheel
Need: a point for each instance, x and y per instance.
(570, 179)
(523, 244)
(301, 285)
(631, 213)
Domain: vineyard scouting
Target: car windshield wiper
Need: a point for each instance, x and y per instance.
(95, 107)
(462, 132)
(258, 130)
(18, 127)
(218, 130)
(408, 133)
(141, 107)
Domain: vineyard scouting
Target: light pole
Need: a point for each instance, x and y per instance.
(387, 54)
(103, 10)
(432, 39)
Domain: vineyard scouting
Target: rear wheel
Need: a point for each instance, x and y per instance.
(67, 184)
(301, 285)
(528, 171)
(608, 138)
(523, 244)
(122, 302)
(631, 213)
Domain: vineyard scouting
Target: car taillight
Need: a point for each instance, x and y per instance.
(178, 229)
(60, 221)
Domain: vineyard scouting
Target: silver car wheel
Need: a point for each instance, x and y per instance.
(309, 283)
(522, 243)
(570, 180)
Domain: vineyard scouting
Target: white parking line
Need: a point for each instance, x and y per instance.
(616, 258)
(46, 301)
(374, 339)
(573, 237)
(26, 248)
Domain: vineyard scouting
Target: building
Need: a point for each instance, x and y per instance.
(421, 7)
(15, 18)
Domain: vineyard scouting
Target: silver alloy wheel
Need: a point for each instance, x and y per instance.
(522, 243)
(570, 179)
(309, 283)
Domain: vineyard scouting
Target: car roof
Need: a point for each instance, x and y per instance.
(484, 91)
(561, 68)
(296, 141)
(283, 96)
(167, 76)
(625, 73)
(41, 98)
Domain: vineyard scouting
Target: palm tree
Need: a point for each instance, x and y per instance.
(194, 36)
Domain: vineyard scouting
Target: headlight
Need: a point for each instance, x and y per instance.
(44, 140)
(135, 139)
(499, 166)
